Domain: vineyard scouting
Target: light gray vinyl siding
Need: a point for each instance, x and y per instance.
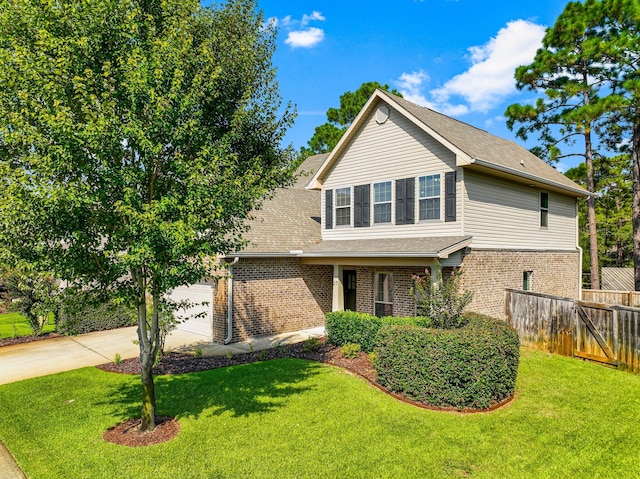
(393, 150)
(501, 214)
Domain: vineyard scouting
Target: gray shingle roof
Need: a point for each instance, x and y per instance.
(481, 145)
(430, 247)
(291, 219)
(288, 221)
(307, 169)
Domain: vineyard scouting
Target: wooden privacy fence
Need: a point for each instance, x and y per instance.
(625, 298)
(600, 332)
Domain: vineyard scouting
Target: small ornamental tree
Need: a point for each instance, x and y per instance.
(135, 138)
(440, 299)
(33, 294)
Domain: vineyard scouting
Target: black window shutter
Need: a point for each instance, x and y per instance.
(405, 201)
(410, 201)
(362, 206)
(328, 209)
(450, 196)
(400, 202)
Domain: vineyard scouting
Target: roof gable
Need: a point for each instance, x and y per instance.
(473, 147)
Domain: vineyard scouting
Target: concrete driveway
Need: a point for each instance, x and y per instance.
(49, 356)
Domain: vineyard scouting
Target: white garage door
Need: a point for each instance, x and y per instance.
(197, 294)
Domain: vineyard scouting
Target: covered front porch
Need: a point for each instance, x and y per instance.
(375, 276)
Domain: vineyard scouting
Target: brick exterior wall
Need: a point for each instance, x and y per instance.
(403, 303)
(272, 296)
(488, 272)
(277, 295)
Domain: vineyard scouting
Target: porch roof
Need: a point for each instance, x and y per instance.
(423, 247)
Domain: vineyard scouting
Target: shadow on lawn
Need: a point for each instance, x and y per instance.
(246, 389)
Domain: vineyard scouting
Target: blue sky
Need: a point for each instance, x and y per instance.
(455, 56)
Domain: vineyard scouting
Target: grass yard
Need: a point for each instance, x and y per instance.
(296, 419)
(14, 324)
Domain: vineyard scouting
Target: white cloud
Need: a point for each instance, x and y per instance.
(490, 79)
(315, 15)
(410, 83)
(305, 38)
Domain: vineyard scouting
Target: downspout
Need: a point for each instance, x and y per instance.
(227, 340)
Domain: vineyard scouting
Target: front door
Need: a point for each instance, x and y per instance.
(349, 288)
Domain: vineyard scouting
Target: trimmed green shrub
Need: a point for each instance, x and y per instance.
(471, 367)
(360, 328)
(350, 350)
(84, 312)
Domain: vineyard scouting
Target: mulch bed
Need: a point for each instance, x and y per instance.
(27, 339)
(128, 433)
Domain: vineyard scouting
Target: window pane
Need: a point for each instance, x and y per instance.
(343, 197)
(544, 200)
(382, 213)
(382, 192)
(429, 186)
(384, 287)
(544, 218)
(343, 216)
(384, 310)
(430, 209)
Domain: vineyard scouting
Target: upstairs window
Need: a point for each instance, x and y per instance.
(526, 280)
(429, 197)
(544, 209)
(382, 202)
(343, 206)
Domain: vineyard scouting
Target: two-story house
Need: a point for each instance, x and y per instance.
(405, 188)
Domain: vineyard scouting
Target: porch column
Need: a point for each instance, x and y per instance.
(436, 272)
(338, 290)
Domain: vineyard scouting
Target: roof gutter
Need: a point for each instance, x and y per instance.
(227, 340)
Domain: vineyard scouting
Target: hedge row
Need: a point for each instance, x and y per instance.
(471, 367)
(84, 313)
(345, 327)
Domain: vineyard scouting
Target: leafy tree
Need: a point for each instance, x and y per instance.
(613, 210)
(327, 136)
(568, 71)
(34, 295)
(135, 138)
(617, 28)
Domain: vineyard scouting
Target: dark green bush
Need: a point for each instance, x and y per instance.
(84, 312)
(471, 367)
(360, 328)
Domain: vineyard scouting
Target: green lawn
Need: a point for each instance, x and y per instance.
(297, 419)
(14, 324)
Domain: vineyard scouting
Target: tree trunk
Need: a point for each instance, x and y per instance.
(635, 204)
(147, 354)
(591, 214)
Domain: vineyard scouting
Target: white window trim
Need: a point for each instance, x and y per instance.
(375, 286)
(542, 209)
(374, 203)
(418, 198)
(336, 207)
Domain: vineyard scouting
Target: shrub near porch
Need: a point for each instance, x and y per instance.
(470, 367)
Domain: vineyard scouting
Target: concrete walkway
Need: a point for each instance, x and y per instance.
(50, 356)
